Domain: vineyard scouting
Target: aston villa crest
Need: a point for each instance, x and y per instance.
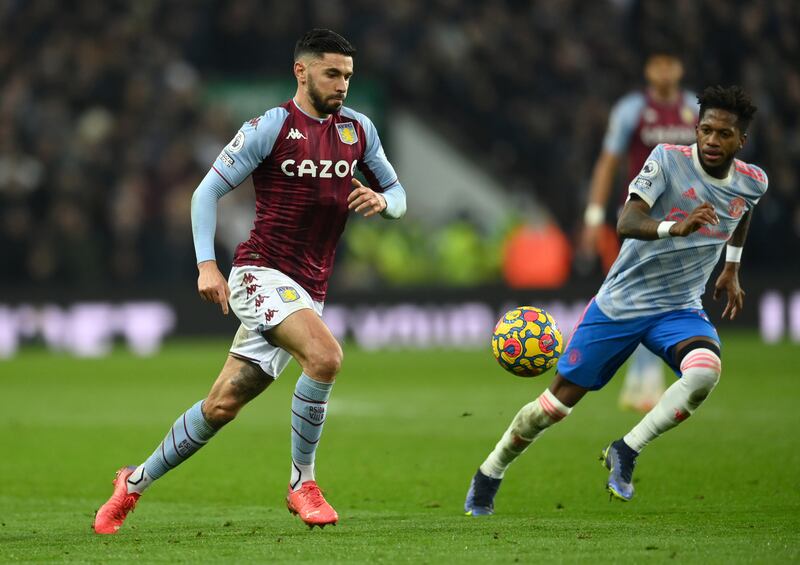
(347, 133)
(287, 294)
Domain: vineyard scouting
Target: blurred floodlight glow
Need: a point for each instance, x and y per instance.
(87, 329)
(794, 317)
(772, 322)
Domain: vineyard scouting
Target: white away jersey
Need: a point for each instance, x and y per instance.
(652, 277)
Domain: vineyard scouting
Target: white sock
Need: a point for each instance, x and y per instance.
(300, 474)
(139, 480)
(701, 369)
(527, 425)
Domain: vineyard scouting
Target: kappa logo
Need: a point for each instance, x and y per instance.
(295, 134)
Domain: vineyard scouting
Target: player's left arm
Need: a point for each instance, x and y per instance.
(728, 280)
(387, 198)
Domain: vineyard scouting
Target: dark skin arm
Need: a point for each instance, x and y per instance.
(728, 280)
(635, 221)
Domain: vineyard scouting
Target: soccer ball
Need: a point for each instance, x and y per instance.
(527, 342)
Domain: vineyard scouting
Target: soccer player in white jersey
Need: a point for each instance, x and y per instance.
(685, 204)
(662, 112)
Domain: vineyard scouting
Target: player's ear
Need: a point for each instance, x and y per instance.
(300, 71)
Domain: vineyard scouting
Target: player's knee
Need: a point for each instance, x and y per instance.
(219, 411)
(701, 369)
(324, 363)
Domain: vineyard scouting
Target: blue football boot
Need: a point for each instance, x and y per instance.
(480, 497)
(620, 460)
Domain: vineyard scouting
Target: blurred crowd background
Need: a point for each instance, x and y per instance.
(106, 127)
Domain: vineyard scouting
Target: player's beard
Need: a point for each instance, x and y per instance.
(323, 105)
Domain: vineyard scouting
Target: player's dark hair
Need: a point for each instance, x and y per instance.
(663, 50)
(730, 98)
(321, 41)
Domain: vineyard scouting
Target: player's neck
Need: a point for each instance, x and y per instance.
(664, 96)
(720, 172)
(307, 107)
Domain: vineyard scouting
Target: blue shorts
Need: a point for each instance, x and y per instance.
(599, 345)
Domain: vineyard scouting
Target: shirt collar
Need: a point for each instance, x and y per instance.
(316, 119)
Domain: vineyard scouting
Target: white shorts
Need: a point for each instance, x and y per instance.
(262, 298)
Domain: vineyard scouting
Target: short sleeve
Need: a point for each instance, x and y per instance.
(651, 181)
(375, 165)
(622, 123)
(250, 146)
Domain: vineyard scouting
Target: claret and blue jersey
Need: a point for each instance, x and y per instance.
(638, 123)
(302, 169)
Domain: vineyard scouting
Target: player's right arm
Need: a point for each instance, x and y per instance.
(635, 221)
(249, 147)
(651, 182)
(211, 284)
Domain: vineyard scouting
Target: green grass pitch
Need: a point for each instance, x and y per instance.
(406, 431)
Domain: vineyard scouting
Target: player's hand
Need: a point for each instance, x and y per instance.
(587, 244)
(212, 286)
(728, 281)
(362, 199)
(701, 216)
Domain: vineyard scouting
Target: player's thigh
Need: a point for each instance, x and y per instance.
(678, 329)
(306, 337)
(598, 348)
(263, 298)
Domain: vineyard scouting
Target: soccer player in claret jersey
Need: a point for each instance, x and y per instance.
(683, 206)
(661, 113)
(302, 156)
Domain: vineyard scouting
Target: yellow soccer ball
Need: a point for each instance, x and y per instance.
(527, 342)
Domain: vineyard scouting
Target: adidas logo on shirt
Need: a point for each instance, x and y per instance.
(295, 134)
